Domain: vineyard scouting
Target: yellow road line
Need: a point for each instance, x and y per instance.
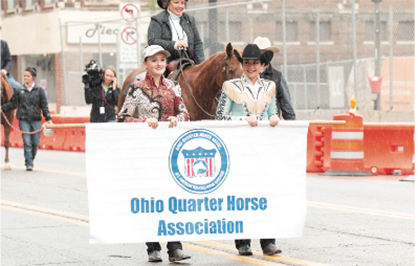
(258, 253)
(45, 210)
(52, 214)
(45, 215)
(230, 256)
(361, 210)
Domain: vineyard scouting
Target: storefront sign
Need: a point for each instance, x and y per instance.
(89, 33)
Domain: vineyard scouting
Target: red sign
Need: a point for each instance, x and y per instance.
(129, 12)
(129, 35)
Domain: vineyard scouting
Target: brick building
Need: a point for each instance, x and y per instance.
(37, 23)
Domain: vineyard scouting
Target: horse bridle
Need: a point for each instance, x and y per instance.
(187, 85)
(224, 68)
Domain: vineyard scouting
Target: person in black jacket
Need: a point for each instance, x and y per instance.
(283, 101)
(6, 64)
(29, 100)
(104, 97)
(173, 29)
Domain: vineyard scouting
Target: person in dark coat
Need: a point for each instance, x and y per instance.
(104, 97)
(283, 101)
(173, 29)
(29, 100)
(6, 64)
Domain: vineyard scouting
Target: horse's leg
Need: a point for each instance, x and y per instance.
(7, 130)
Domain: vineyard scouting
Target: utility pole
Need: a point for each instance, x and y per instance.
(213, 28)
(377, 48)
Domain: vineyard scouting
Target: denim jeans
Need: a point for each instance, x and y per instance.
(14, 83)
(30, 141)
(263, 242)
(171, 246)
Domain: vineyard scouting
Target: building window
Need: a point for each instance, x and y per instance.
(291, 31)
(325, 32)
(346, 4)
(370, 31)
(235, 31)
(11, 4)
(406, 31)
(29, 3)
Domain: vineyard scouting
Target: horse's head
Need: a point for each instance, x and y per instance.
(232, 67)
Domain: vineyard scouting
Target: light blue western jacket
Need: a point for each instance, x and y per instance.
(240, 99)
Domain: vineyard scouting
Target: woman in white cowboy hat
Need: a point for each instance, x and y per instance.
(250, 98)
(283, 101)
(151, 100)
(174, 30)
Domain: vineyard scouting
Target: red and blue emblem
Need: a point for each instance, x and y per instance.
(199, 161)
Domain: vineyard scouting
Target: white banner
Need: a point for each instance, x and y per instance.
(208, 180)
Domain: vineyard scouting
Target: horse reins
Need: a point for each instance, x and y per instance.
(23, 132)
(187, 85)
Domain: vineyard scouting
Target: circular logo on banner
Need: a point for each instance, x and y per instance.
(199, 161)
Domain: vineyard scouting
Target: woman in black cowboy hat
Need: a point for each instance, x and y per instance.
(252, 99)
(173, 29)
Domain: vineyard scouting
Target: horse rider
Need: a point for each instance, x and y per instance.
(173, 29)
(6, 64)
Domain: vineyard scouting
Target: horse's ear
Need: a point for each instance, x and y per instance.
(229, 50)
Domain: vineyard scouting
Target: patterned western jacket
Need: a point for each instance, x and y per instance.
(240, 99)
(153, 102)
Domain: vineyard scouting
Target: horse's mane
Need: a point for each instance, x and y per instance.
(213, 58)
(209, 63)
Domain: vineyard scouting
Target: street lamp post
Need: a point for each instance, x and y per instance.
(213, 28)
(377, 48)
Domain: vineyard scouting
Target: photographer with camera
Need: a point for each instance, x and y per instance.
(102, 90)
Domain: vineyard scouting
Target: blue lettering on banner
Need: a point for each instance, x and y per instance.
(199, 161)
(146, 206)
(176, 205)
(200, 228)
(246, 204)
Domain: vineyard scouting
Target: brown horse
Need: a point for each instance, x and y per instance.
(6, 95)
(202, 83)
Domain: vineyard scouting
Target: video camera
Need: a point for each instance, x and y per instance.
(94, 75)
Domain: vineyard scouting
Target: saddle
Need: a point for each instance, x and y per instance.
(176, 66)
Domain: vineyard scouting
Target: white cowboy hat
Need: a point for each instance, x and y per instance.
(154, 49)
(264, 44)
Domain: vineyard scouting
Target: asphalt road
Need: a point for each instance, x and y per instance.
(350, 221)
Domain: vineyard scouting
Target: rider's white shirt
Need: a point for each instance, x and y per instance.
(176, 29)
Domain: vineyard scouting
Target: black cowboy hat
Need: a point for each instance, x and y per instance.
(251, 51)
(166, 2)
